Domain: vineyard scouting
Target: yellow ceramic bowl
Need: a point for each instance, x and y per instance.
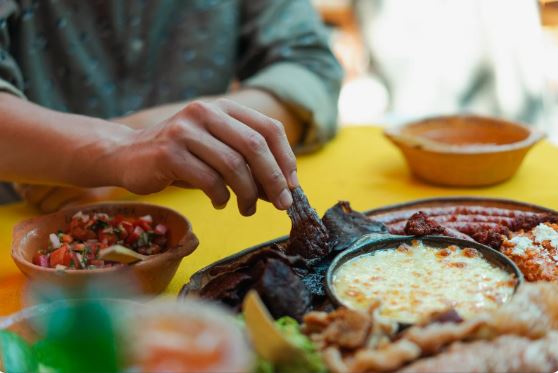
(464, 150)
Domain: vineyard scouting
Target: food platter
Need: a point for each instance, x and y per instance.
(374, 266)
(204, 275)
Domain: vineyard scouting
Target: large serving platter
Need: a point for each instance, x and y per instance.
(203, 276)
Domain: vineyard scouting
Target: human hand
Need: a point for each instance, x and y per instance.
(212, 145)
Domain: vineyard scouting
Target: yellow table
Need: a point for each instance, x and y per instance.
(359, 166)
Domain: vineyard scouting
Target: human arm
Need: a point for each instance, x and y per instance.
(52, 198)
(206, 145)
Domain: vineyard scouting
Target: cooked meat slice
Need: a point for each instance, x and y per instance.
(347, 328)
(345, 225)
(493, 239)
(529, 320)
(446, 316)
(309, 237)
(282, 291)
(507, 353)
(388, 358)
(421, 225)
(532, 312)
(528, 221)
(458, 211)
(226, 287)
(470, 228)
(315, 322)
(431, 338)
(334, 360)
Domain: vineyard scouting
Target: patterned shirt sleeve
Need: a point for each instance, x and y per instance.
(284, 50)
(11, 79)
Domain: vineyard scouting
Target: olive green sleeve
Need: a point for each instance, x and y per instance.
(284, 49)
(11, 79)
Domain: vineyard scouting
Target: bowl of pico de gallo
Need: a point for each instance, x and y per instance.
(135, 245)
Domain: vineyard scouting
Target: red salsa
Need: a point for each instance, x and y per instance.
(79, 246)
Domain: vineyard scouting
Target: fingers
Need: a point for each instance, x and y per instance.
(191, 172)
(231, 166)
(254, 149)
(273, 132)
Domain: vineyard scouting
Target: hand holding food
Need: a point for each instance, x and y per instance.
(207, 145)
(211, 146)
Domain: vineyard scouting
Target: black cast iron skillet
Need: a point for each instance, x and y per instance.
(375, 242)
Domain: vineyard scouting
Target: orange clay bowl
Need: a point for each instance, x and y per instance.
(464, 150)
(148, 277)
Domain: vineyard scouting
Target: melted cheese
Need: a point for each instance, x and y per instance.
(417, 281)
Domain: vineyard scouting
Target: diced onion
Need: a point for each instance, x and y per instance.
(80, 216)
(147, 218)
(54, 240)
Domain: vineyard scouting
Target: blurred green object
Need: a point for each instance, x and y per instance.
(77, 336)
(16, 355)
(312, 362)
(82, 338)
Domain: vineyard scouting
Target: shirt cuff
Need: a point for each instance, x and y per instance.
(10, 88)
(306, 96)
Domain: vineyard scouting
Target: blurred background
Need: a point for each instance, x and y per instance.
(410, 59)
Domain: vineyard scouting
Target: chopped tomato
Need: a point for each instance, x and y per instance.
(135, 235)
(144, 224)
(108, 238)
(80, 231)
(127, 227)
(61, 256)
(66, 238)
(117, 220)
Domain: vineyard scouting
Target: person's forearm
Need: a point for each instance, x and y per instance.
(253, 98)
(38, 145)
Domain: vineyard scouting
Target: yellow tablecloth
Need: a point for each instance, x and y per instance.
(359, 165)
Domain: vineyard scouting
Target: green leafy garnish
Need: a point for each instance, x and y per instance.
(311, 363)
(143, 239)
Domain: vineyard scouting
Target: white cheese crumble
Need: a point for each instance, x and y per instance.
(521, 243)
(544, 232)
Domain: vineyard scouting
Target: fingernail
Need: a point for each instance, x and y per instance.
(285, 200)
(221, 206)
(294, 179)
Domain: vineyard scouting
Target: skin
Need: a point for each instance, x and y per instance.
(206, 144)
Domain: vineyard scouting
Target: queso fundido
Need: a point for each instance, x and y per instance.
(413, 281)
